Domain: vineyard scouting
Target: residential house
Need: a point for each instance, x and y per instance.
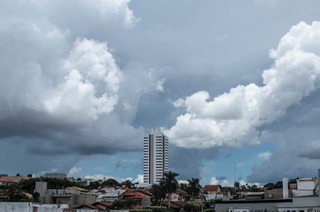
(15, 179)
(213, 192)
(199, 199)
(142, 197)
(305, 187)
(111, 196)
(179, 195)
(103, 205)
(4, 181)
(70, 196)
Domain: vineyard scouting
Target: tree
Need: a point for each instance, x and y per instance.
(194, 188)
(236, 185)
(158, 192)
(254, 188)
(270, 186)
(94, 185)
(183, 187)
(35, 196)
(127, 184)
(14, 192)
(278, 184)
(170, 184)
(110, 182)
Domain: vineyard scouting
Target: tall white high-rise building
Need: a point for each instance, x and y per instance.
(155, 156)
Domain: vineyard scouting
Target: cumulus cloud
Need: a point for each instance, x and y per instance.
(264, 155)
(74, 172)
(139, 179)
(232, 119)
(214, 181)
(59, 81)
(225, 183)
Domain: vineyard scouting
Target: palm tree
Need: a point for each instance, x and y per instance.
(158, 192)
(194, 188)
(169, 183)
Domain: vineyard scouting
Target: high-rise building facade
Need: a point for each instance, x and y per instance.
(155, 156)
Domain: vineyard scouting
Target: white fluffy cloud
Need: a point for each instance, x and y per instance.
(264, 155)
(74, 172)
(214, 181)
(232, 119)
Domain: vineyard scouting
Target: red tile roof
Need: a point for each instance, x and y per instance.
(136, 195)
(211, 187)
(103, 203)
(179, 191)
(6, 180)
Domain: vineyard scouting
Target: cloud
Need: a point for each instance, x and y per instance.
(225, 183)
(178, 103)
(139, 179)
(264, 155)
(221, 178)
(214, 181)
(292, 159)
(74, 172)
(60, 85)
(232, 119)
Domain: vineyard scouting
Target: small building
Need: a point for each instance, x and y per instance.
(111, 196)
(55, 175)
(254, 195)
(142, 197)
(4, 182)
(213, 192)
(62, 196)
(179, 195)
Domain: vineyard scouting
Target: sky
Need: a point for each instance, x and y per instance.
(233, 84)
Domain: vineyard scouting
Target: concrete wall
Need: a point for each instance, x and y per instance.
(276, 193)
(25, 208)
(257, 206)
(15, 208)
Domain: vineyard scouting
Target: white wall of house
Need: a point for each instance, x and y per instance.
(306, 184)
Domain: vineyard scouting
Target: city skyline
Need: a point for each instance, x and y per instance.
(229, 82)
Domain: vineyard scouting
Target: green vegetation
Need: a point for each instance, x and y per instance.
(157, 208)
(208, 203)
(194, 188)
(189, 207)
(110, 182)
(169, 183)
(158, 192)
(124, 204)
(140, 210)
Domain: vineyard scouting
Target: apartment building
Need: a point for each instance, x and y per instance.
(155, 156)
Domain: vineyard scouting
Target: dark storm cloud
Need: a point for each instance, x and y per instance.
(221, 178)
(189, 162)
(297, 132)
